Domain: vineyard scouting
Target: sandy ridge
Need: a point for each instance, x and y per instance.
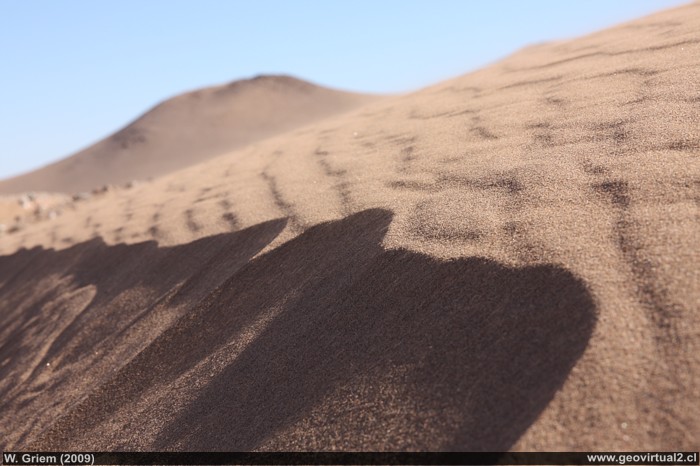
(506, 260)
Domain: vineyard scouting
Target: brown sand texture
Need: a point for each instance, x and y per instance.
(503, 261)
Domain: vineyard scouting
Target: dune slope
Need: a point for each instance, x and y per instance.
(188, 129)
(505, 260)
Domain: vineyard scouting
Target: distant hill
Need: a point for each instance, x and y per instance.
(188, 129)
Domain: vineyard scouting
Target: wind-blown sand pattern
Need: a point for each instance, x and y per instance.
(506, 260)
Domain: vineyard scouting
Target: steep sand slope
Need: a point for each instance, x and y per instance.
(505, 260)
(189, 129)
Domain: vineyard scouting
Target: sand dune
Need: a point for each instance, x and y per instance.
(505, 260)
(189, 129)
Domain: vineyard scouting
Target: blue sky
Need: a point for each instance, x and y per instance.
(74, 71)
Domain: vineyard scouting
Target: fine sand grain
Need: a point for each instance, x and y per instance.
(505, 260)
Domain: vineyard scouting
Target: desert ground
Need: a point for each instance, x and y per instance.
(507, 260)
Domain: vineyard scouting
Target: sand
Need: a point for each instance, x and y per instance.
(188, 129)
(504, 261)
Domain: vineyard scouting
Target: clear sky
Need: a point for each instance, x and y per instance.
(74, 71)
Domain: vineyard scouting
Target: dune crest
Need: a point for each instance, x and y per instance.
(188, 129)
(505, 260)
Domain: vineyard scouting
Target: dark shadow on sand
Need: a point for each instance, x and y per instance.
(481, 346)
(134, 286)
